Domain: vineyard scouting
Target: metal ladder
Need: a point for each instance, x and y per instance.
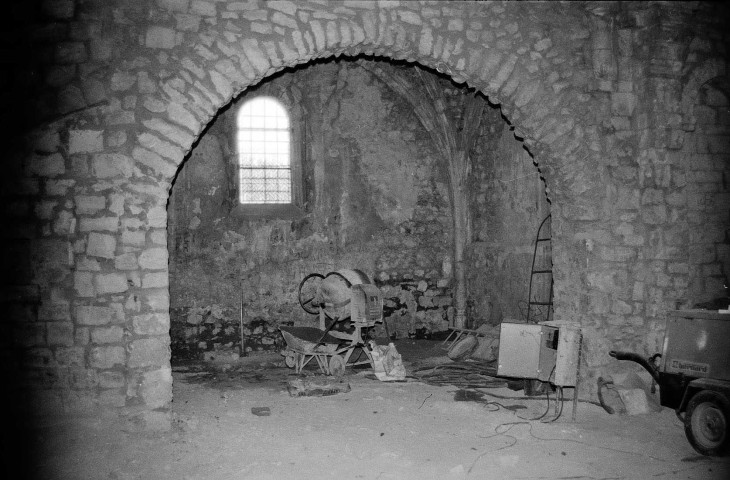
(541, 269)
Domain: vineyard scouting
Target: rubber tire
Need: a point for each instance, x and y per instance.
(706, 422)
(337, 366)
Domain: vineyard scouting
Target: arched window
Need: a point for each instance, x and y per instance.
(264, 152)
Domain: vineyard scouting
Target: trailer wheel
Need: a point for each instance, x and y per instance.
(706, 422)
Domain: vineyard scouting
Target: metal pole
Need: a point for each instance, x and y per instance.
(243, 344)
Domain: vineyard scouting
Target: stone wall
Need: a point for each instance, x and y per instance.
(610, 99)
(509, 203)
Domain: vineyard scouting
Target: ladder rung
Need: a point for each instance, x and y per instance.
(543, 239)
(539, 303)
(542, 271)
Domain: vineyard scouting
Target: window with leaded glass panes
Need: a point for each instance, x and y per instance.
(264, 152)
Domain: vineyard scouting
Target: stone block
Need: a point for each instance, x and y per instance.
(157, 217)
(47, 141)
(619, 307)
(89, 204)
(113, 334)
(100, 49)
(107, 357)
(85, 141)
(65, 223)
(43, 210)
(58, 187)
(284, 20)
(151, 324)
(133, 238)
(101, 245)
(70, 356)
(49, 312)
(155, 280)
(652, 196)
(153, 259)
(203, 8)
(126, 261)
(122, 81)
(174, 5)
(149, 352)
(111, 379)
(110, 283)
(623, 103)
(187, 23)
(93, 315)
(84, 284)
(154, 161)
(285, 6)
(156, 388)
(47, 166)
(654, 215)
(174, 132)
(81, 336)
(70, 99)
(112, 398)
(718, 144)
(158, 237)
(111, 165)
(99, 224)
(160, 37)
(60, 333)
(71, 53)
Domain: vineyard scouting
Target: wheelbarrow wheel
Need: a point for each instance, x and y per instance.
(290, 359)
(337, 366)
(706, 422)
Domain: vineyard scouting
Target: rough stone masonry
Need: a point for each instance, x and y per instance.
(623, 106)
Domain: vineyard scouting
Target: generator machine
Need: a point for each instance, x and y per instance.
(693, 374)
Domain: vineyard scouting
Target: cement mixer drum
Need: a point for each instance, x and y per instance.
(333, 293)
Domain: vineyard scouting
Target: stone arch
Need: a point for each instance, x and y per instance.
(703, 160)
(517, 65)
(542, 110)
(507, 55)
(533, 93)
(705, 72)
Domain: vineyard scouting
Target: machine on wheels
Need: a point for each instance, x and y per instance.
(693, 374)
(348, 304)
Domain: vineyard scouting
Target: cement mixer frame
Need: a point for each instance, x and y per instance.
(333, 351)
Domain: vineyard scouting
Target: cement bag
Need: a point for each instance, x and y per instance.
(387, 363)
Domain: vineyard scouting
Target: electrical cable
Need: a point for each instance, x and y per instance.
(560, 411)
(547, 409)
(510, 425)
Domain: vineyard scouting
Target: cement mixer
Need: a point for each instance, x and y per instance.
(347, 304)
(332, 296)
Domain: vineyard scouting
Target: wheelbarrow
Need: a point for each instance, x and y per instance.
(347, 305)
(307, 343)
(693, 374)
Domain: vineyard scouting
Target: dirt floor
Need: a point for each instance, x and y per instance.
(239, 421)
